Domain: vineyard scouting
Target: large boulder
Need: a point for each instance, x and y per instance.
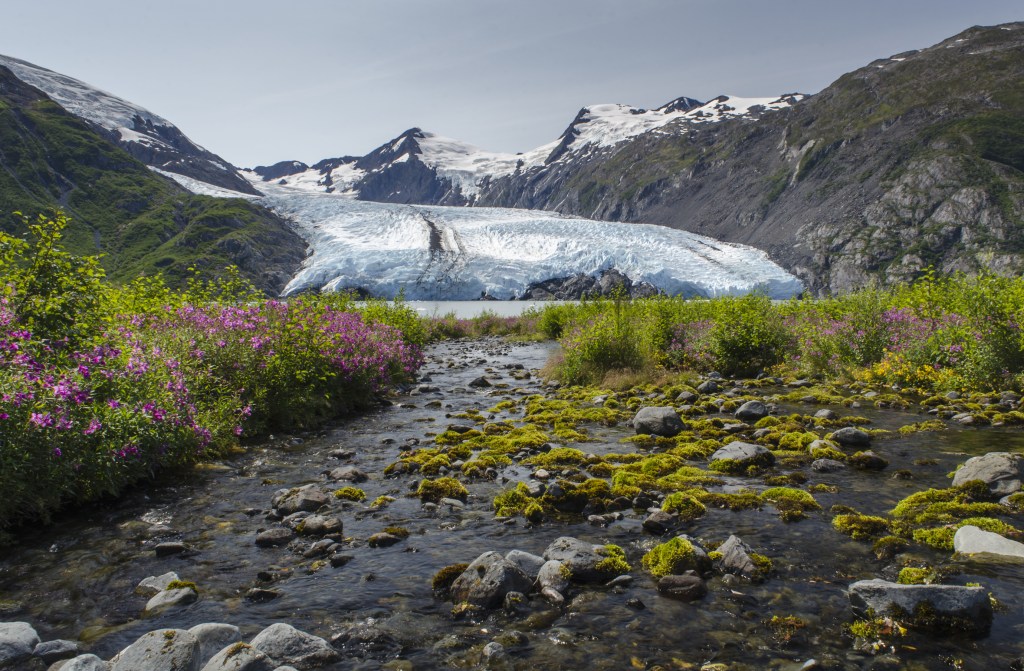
(1002, 472)
(751, 411)
(488, 579)
(657, 421)
(971, 540)
(160, 650)
(744, 455)
(17, 641)
(935, 608)
(214, 637)
(285, 644)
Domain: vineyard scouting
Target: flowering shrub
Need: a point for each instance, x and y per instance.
(100, 390)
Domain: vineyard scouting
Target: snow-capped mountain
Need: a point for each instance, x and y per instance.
(148, 137)
(422, 167)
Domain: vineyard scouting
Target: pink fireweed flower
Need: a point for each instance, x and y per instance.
(41, 419)
(114, 403)
(94, 426)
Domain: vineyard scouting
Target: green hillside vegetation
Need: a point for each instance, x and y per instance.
(141, 222)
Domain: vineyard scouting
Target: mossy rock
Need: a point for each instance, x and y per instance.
(674, 557)
(441, 488)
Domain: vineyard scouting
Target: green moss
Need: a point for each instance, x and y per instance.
(792, 504)
(687, 507)
(929, 425)
(671, 558)
(350, 494)
(746, 499)
(888, 547)
(441, 488)
(182, 584)
(785, 628)
(860, 527)
(764, 564)
(614, 562)
(400, 532)
(910, 575)
(557, 458)
(443, 579)
(797, 441)
(381, 501)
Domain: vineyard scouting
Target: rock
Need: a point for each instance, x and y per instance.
(285, 644)
(708, 387)
(488, 579)
(1002, 472)
(660, 522)
(154, 584)
(736, 559)
(553, 574)
(849, 436)
(686, 397)
(529, 563)
(657, 421)
(214, 637)
(85, 663)
(820, 444)
(347, 474)
(493, 649)
(868, 461)
(825, 413)
(54, 651)
(160, 650)
(240, 657)
(308, 498)
(744, 454)
(320, 525)
(480, 383)
(937, 608)
(17, 641)
(276, 537)
(169, 549)
(261, 595)
(827, 466)
(171, 597)
(687, 587)
(751, 411)
(971, 540)
(553, 596)
(579, 557)
(369, 638)
(383, 539)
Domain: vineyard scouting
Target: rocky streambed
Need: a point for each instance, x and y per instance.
(485, 518)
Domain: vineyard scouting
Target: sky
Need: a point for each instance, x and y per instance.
(260, 81)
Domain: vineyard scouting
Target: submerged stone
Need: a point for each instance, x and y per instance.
(934, 608)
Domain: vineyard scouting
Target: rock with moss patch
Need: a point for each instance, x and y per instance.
(285, 644)
(850, 436)
(554, 574)
(1002, 472)
(737, 558)
(743, 455)
(240, 657)
(214, 637)
(160, 650)
(658, 421)
(170, 598)
(308, 498)
(676, 557)
(944, 609)
(582, 559)
(320, 525)
(868, 461)
(487, 580)
(153, 585)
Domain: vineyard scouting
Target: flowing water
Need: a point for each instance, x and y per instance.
(76, 578)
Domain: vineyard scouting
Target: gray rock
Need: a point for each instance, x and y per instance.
(553, 574)
(383, 539)
(579, 557)
(657, 421)
(849, 436)
(553, 596)
(659, 522)
(214, 637)
(348, 474)
(529, 563)
(287, 645)
(170, 548)
(488, 579)
(480, 383)
(85, 663)
(493, 649)
(821, 444)
(752, 411)
(868, 461)
(240, 657)
(1003, 472)
(160, 650)
(170, 598)
(736, 559)
(827, 466)
(54, 651)
(276, 537)
(825, 413)
(688, 587)
(686, 397)
(971, 540)
(319, 525)
(154, 584)
(746, 454)
(708, 387)
(308, 498)
(17, 641)
(951, 608)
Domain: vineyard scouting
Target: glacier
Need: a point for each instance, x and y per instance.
(458, 253)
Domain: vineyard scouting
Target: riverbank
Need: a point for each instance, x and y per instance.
(479, 401)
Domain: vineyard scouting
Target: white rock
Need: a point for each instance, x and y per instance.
(971, 540)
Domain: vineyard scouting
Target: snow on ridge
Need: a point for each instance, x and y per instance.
(85, 101)
(203, 188)
(385, 248)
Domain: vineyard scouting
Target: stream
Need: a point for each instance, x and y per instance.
(76, 578)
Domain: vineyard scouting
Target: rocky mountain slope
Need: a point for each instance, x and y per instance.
(911, 161)
(141, 221)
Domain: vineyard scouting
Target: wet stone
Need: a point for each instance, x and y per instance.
(276, 537)
(659, 522)
(160, 650)
(154, 584)
(348, 474)
(53, 651)
(1002, 472)
(240, 657)
(849, 436)
(213, 637)
(688, 587)
(752, 411)
(87, 662)
(285, 644)
(827, 466)
(308, 498)
(169, 549)
(17, 641)
(261, 595)
(382, 540)
(170, 598)
(657, 421)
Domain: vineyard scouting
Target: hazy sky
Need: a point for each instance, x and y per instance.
(259, 81)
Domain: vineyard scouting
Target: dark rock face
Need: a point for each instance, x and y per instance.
(575, 287)
(488, 579)
(936, 608)
(280, 169)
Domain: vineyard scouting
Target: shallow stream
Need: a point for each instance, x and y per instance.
(76, 578)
